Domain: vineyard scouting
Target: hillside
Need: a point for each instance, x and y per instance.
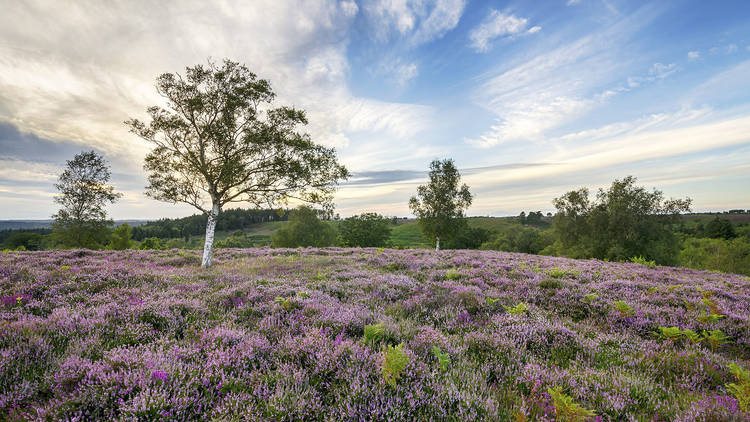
(319, 334)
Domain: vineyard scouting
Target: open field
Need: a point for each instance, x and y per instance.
(286, 334)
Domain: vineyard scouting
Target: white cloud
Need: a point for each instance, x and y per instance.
(556, 87)
(417, 21)
(693, 55)
(498, 25)
(573, 2)
(76, 72)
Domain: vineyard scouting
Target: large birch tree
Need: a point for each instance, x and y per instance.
(220, 139)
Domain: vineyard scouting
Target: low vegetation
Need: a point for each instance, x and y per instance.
(374, 334)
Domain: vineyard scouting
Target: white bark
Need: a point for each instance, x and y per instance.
(208, 246)
(437, 243)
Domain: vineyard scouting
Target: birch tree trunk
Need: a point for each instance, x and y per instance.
(208, 246)
(437, 243)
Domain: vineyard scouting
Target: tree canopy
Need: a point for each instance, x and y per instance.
(84, 193)
(623, 221)
(440, 204)
(220, 140)
(365, 230)
(305, 228)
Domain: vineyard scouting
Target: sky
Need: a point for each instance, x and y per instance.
(531, 99)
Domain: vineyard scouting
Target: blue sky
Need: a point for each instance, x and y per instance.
(531, 99)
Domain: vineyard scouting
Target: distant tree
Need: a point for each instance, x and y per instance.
(467, 237)
(28, 240)
(517, 238)
(522, 217)
(150, 243)
(534, 218)
(219, 141)
(365, 230)
(439, 205)
(120, 239)
(305, 228)
(82, 221)
(720, 228)
(625, 221)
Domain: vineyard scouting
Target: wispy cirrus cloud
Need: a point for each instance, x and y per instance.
(498, 25)
(560, 85)
(416, 21)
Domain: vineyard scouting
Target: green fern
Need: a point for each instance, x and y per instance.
(566, 409)
(670, 333)
(709, 318)
(623, 308)
(394, 363)
(443, 358)
(741, 389)
(715, 338)
(492, 301)
(590, 297)
(519, 309)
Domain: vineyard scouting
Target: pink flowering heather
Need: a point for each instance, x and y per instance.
(279, 334)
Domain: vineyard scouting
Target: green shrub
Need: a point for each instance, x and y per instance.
(643, 261)
(394, 363)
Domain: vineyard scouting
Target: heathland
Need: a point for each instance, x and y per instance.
(367, 334)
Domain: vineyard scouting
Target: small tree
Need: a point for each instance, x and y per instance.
(219, 141)
(440, 204)
(304, 229)
(121, 236)
(365, 230)
(84, 193)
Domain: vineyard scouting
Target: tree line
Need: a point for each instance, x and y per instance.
(220, 139)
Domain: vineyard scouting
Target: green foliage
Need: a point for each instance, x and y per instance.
(557, 272)
(492, 301)
(705, 318)
(286, 302)
(623, 308)
(720, 228)
(670, 333)
(518, 309)
(590, 297)
(82, 221)
(439, 205)
(443, 358)
(715, 338)
(304, 229)
(643, 261)
(566, 410)
(691, 335)
(518, 238)
(453, 274)
(374, 333)
(365, 230)
(741, 388)
(28, 240)
(624, 221)
(394, 363)
(219, 139)
(120, 238)
(150, 243)
(729, 256)
(467, 237)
